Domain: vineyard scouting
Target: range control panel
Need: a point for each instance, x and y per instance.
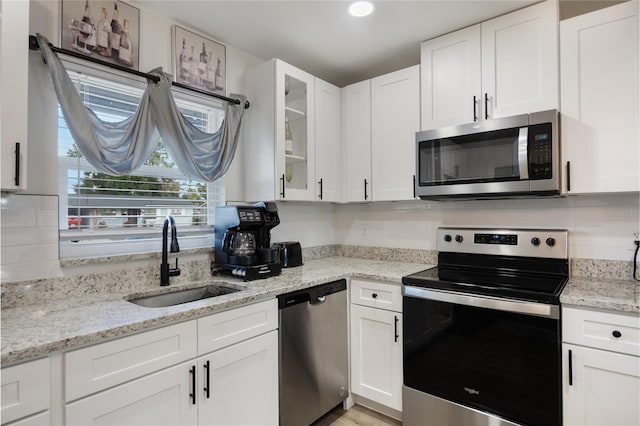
(549, 243)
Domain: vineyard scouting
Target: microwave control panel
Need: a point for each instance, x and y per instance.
(540, 151)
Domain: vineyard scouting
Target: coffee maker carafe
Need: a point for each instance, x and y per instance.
(243, 240)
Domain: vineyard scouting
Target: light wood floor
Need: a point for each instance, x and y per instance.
(356, 416)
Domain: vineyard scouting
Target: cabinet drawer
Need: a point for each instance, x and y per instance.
(377, 295)
(603, 330)
(25, 389)
(229, 327)
(101, 366)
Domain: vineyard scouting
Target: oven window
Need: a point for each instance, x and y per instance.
(498, 362)
(485, 157)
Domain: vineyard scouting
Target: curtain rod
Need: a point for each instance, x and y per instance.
(34, 45)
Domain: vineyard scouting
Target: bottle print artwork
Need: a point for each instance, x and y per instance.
(125, 56)
(87, 18)
(104, 30)
(185, 65)
(116, 33)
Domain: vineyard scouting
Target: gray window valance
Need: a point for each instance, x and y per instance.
(122, 147)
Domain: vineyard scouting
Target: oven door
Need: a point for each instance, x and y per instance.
(496, 356)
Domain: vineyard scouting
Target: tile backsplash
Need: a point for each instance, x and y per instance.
(29, 243)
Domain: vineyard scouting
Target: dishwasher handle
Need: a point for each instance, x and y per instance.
(312, 295)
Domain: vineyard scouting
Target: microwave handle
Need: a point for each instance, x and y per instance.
(523, 162)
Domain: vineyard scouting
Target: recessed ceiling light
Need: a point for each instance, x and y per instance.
(360, 8)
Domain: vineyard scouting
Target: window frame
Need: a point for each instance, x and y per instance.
(78, 244)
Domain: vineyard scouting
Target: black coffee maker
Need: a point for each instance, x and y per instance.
(243, 240)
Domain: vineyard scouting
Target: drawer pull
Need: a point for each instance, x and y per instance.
(616, 334)
(374, 295)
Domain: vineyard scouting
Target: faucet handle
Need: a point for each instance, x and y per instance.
(174, 272)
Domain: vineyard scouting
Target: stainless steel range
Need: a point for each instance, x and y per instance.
(482, 329)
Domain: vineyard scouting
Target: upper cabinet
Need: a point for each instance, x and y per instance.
(395, 119)
(357, 141)
(14, 64)
(328, 141)
(502, 67)
(279, 133)
(381, 118)
(599, 96)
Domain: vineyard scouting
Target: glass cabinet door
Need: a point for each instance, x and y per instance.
(295, 141)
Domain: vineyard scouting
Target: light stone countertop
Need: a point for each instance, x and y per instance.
(38, 330)
(57, 325)
(598, 293)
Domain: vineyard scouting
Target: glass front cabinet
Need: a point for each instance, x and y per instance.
(279, 133)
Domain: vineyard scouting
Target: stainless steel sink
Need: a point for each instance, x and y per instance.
(183, 296)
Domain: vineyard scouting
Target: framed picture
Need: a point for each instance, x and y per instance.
(105, 30)
(199, 62)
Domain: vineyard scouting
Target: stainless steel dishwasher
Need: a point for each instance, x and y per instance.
(313, 352)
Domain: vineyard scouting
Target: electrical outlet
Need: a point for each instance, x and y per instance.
(364, 231)
(636, 235)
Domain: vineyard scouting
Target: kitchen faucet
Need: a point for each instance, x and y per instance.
(165, 271)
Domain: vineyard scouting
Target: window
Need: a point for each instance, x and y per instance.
(104, 215)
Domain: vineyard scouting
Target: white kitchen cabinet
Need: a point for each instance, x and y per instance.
(162, 398)
(520, 61)
(14, 82)
(218, 369)
(240, 383)
(451, 79)
(328, 141)
(502, 67)
(279, 92)
(395, 119)
(601, 379)
(376, 343)
(98, 367)
(599, 97)
(357, 131)
(26, 391)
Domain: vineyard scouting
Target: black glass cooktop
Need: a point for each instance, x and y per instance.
(539, 280)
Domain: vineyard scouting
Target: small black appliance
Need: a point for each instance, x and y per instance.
(243, 240)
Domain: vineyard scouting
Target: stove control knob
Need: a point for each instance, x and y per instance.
(458, 238)
(551, 242)
(535, 241)
(447, 238)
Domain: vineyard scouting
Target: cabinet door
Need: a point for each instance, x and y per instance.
(25, 389)
(295, 102)
(14, 66)
(242, 381)
(328, 141)
(376, 355)
(395, 119)
(520, 61)
(357, 130)
(111, 363)
(450, 79)
(599, 76)
(604, 389)
(162, 398)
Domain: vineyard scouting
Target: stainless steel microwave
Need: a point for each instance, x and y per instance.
(499, 158)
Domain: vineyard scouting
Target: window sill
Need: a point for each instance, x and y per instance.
(102, 260)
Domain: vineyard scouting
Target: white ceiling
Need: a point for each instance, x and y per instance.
(322, 39)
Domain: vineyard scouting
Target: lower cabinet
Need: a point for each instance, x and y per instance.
(604, 388)
(217, 370)
(601, 365)
(376, 343)
(240, 384)
(162, 398)
(25, 392)
(237, 385)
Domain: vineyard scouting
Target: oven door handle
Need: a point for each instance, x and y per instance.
(516, 306)
(523, 158)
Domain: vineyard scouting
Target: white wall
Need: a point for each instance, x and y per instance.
(600, 227)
